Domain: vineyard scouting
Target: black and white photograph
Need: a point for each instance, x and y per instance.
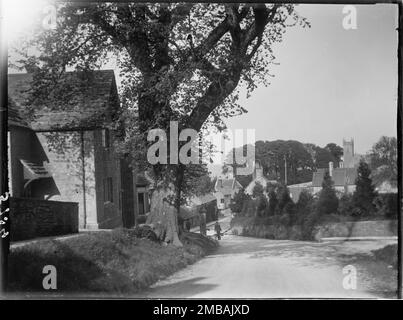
(187, 150)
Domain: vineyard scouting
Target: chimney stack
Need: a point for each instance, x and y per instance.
(331, 168)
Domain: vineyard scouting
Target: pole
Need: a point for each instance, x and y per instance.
(400, 152)
(4, 201)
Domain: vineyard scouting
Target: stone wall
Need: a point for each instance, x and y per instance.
(375, 228)
(63, 150)
(349, 229)
(32, 218)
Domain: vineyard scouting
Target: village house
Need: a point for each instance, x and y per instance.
(343, 177)
(224, 190)
(258, 177)
(75, 158)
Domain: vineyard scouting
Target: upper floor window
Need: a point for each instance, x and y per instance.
(106, 140)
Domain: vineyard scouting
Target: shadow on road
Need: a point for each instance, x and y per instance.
(184, 288)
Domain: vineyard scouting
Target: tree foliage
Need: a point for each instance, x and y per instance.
(273, 203)
(328, 201)
(364, 194)
(383, 161)
(239, 201)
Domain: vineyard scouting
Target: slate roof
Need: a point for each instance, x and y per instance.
(90, 101)
(199, 200)
(225, 186)
(14, 116)
(340, 176)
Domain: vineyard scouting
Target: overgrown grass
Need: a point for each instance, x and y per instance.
(111, 261)
(387, 254)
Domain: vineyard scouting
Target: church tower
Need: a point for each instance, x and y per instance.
(348, 153)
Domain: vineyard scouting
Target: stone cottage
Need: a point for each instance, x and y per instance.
(79, 153)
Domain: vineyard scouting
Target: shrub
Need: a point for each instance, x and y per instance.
(273, 203)
(346, 205)
(387, 205)
(364, 194)
(257, 190)
(238, 202)
(284, 198)
(328, 201)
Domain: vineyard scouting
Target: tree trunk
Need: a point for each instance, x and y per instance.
(163, 217)
(180, 171)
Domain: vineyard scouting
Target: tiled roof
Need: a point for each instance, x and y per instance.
(90, 101)
(226, 186)
(340, 176)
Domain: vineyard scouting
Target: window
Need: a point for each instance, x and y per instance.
(141, 203)
(108, 190)
(222, 200)
(106, 141)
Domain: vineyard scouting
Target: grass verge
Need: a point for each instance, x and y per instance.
(100, 262)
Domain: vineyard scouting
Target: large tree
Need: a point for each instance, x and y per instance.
(275, 155)
(182, 62)
(383, 161)
(336, 151)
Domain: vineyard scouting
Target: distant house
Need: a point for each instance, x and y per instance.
(343, 177)
(78, 152)
(296, 189)
(225, 189)
(258, 177)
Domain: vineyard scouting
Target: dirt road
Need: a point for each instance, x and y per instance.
(259, 268)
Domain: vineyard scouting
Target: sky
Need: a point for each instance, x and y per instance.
(329, 84)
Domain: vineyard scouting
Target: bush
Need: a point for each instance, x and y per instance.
(328, 201)
(387, 254)
(346, 205)
(262, 205)
(387, 205)
(237, 204)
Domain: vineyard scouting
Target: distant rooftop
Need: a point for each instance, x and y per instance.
(87, 100)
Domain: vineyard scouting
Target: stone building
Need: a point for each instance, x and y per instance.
(78, 143)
